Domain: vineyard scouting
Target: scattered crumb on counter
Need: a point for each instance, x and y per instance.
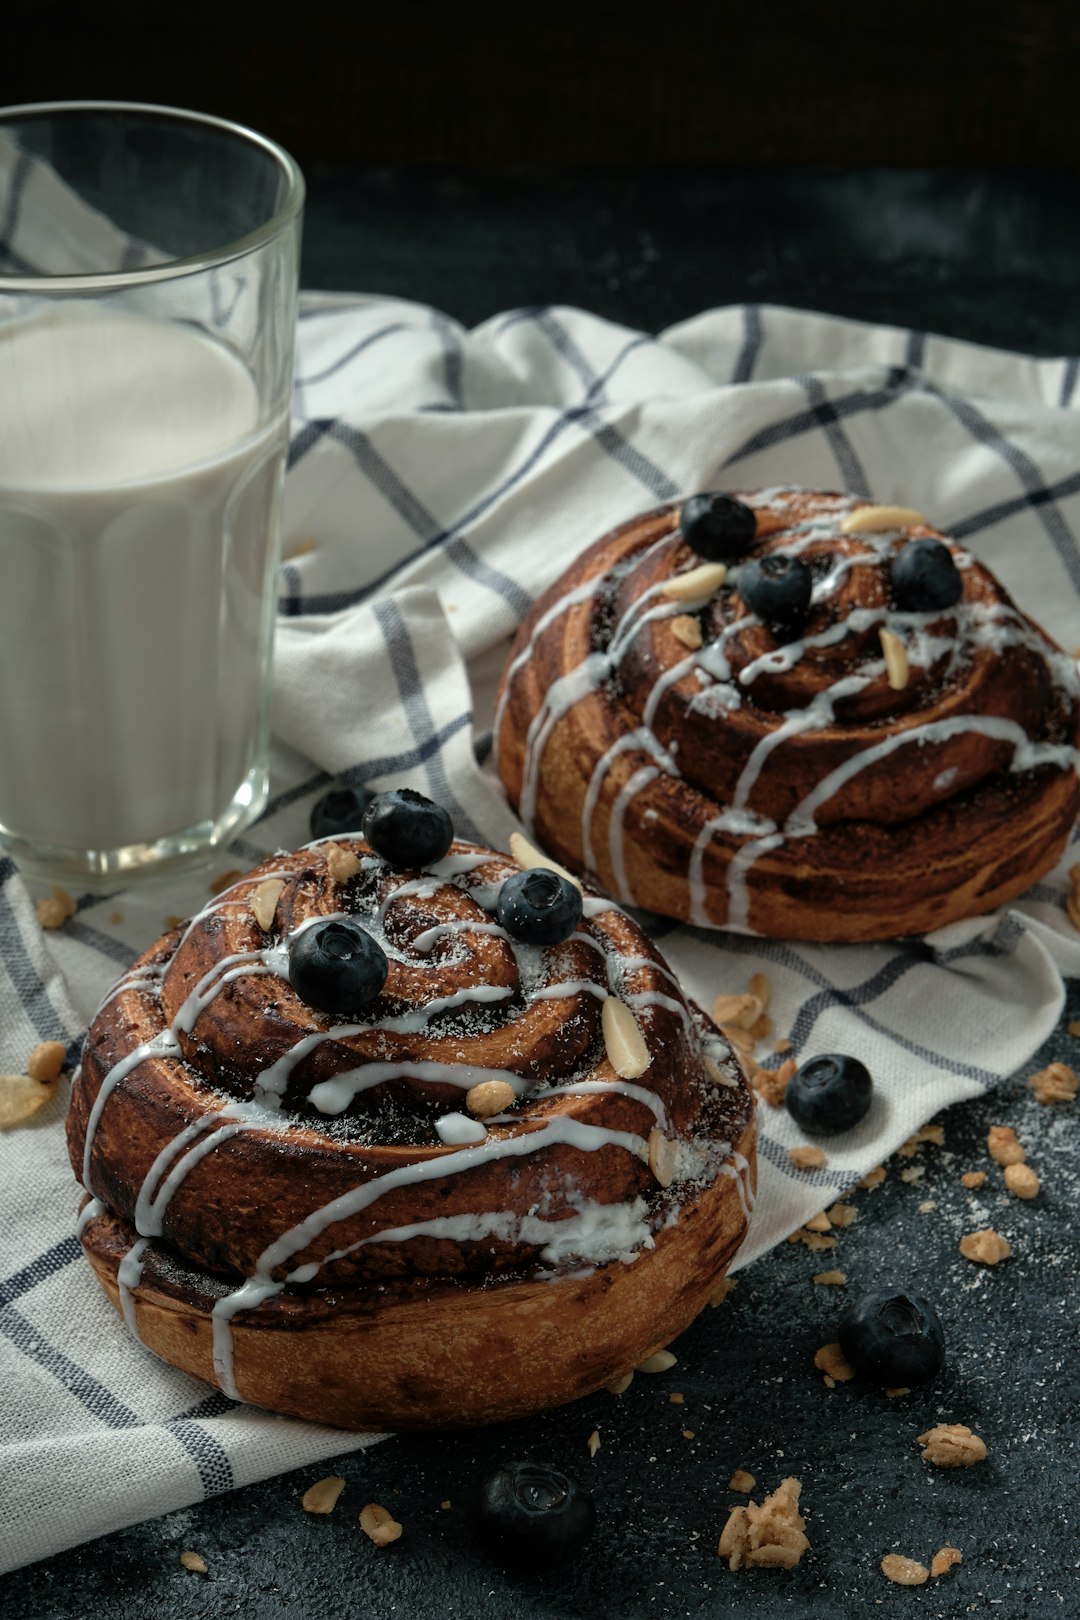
(766, 1537)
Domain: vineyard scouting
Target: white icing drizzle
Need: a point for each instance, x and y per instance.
(92, 1211)
(128, 1277)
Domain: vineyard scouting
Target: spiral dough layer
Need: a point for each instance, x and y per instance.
(880, 773)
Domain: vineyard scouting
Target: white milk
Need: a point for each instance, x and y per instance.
(138, 525)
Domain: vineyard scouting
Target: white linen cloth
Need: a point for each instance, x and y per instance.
(439, 480)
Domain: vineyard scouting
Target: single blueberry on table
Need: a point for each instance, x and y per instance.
(532, 1515)
(539, 907)
(336, 967)
(925, 578)
(829, 1094)
(717, 526)
(339, 811)
(778, 589)
(406, 829)
(893, 1339)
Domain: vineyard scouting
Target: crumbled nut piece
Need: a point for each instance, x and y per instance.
(663, 1157)
(625, 1044)
(782, 1045)
(116, 918)
(659, 1362)
(876, 519)
(926, 1206)
(322, 1497)
(771, 1084)
(225, 880)
(54, 910)
(46, 1061)
(766, 1537)
(688, 1434)
(819, 1223)
(895, 1393)
(741, 1010)
(489, 1097)
(830, 1359)
(944, 1560)
(676, 1398)
(1073, 1027)
(761, 1028)
(741, 1039)
(806, 1158)
(702, 582)
(904, 1571)
(21, 1097)
(342, 864)
(379, 1525)
(741, 1481)
(952, 1445)
(762, 988)
(842, 1214)
(913, 1173)
(593, 1442)
(264, 902)
(897, 671)
(874, 1178)
(1022, 1181)
(1003, 1147)
(816, 1242)
(1055, 1084)
(527, 855)
(830, 1279)
(925, 1133)
(191, 1560)
(974, 1178)
(685, 628)
(620, 1385)
(987, 1247)
(447, 1505)
(722, 1290)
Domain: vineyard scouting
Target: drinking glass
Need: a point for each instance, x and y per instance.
(148, 282)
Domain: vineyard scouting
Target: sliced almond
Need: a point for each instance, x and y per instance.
(659, 1362)
(741, 1010)
(626, 1049)
(663, 1157)
(264, 902)
(697, 583)
(342, 864)
(528, 855)
(620, 1385)
(322, 1497)
(21, 1097)
(593, 1442)
(896, 659)
(46, 1061)
(830, 1279)
(489, 1097)
(904, 1571)
(379, 1525)
(876, 519)
(192, 1560)
(760, 987)
(685, 628)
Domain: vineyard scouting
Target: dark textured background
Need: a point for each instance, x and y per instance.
(660, 167)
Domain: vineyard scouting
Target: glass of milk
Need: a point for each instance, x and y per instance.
(148, 278)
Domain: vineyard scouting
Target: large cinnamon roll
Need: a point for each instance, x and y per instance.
(793, 714)
(370, 1144)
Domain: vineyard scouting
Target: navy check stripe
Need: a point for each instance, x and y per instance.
(97, 1400)
(800, 422)
(851, 469)
(453, 359)
(357, 349)
(25, 980)
(104, 944)
(1068, 380)
(209, 1456)
(40, 1269)
(564, 345)
(985, 519)
(915, 351)
(838, 1180)
(751, 344)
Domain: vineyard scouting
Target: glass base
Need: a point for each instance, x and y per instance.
(103, 869)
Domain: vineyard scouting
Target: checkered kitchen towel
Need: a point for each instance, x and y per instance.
(439, 479)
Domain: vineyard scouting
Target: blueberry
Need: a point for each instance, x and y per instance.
(893, 1339)
(532, 1515)
(406, 829)
(925, 578)
(778, 590)
(718, 527)
(336, 966)
(539, 907)
(339, 811)
(829, 1094)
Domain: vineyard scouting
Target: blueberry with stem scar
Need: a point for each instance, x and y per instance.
(407, 830)
(717, 526)
(539, 907)
(336, 967)
(778, 589)
(829, 1094)
(925, 578)
(893, 1339)
(532, 1515)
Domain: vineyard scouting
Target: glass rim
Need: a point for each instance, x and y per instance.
(170, 269)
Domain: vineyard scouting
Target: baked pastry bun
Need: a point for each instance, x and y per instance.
(407, 1142)
(792, 714)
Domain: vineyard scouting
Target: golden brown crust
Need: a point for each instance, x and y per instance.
(234, 1128)
(918, 828)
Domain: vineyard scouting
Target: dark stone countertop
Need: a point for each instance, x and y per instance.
(990, 256)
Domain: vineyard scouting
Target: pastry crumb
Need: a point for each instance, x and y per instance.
(1073, 1028)
(944, 1560)
(191, 1560)
(685, 628)
(819, 1223)
(593, 1442)
(1022, 1181)
(974, 1178)
(322, 1497)
(926, 1206)
(378, 1525)
(762, 988)
(54, 909)
(771, 1084)
(781, 1046)
(830, 1360)
(842, 1214)
(952, 1445)
(342, 864)
(830, 1279)
(904, 1571)
(767, 1537)
(447, 1505)
(913, 1173)
(925, 1133)
(1055, 1084)
(896, 1392)
(806, 1158)
(1003, 1146)
(816, 1242)
(676, 1398)
(659, 1362)
(46, 1061)
(225, 880)
(986, 1247)
(741, 1481)
(874, 1178)
(689, 1434)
